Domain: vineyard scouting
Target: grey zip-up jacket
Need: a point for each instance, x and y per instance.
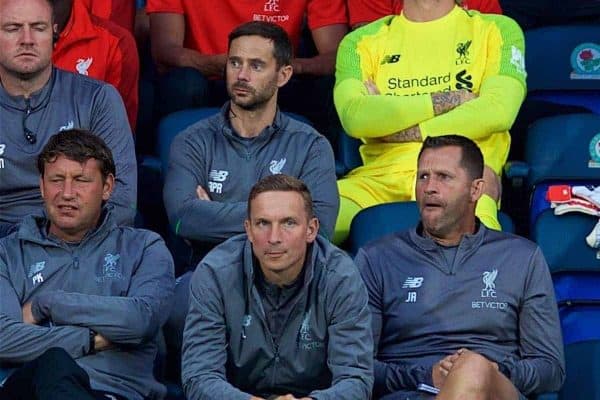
(325, 348)
(210, 154)
(67, 101)
(496, 298)
(118, 282)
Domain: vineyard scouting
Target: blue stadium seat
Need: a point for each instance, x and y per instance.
(563, 149)
(174, 123)
(575, 269)
(383, 219)
(557, 68)
(348, 155)
(583, 366)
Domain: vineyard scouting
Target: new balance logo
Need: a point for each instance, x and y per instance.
(390, 59)
(413, 283)
(217, 175)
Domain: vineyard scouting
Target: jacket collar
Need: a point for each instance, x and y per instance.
(249, 260)
(36, 101)
(467, 242)
(35, 229)
(267, 132)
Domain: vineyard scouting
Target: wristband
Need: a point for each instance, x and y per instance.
(92, 349)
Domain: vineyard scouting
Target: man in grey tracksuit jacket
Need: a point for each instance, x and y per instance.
(323, 351)
(118, 282)
(496, 298)
(66, 101)
(212, 155)
(456, 305)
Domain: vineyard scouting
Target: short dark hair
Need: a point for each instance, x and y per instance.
(282, 183)
(471, 157)
(77, 145)
(282, 46)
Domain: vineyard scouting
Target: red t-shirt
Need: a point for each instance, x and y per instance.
(362, 11)
(121, 12)
(208, 22)
(102, 50)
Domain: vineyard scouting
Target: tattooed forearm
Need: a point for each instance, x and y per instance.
(446, 101)
(412, 134)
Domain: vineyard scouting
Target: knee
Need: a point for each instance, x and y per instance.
(55, 356)
(56, 364)
(476, 370)
(493, 186)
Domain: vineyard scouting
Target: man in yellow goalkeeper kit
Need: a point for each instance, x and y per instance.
(435, 69)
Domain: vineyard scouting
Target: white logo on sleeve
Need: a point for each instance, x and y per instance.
(518, 60)
(83, 64)
(276, 166)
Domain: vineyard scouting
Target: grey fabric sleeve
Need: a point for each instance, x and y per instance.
(21, 342)
(389, 377)
(204, 352)
(350, 347)
(125, 320)
(190, 217)
(319, 176)
(541, 367)
(109, 121)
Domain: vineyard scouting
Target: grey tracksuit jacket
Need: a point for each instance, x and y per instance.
(210, 154)
(496, 299)
(325, 348)
(67, 101)
(118, 282)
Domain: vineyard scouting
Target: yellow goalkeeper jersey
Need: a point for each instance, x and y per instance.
(482, 53)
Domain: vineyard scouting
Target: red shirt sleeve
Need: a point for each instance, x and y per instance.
(365, 11)
(165, 6)
(326, 12)
(484, 6)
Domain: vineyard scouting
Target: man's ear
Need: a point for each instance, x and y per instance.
(109, 185)
(55, 34)
(42, 185)
(312, 229)
(284, 75)
(247, 229)
(477, 188)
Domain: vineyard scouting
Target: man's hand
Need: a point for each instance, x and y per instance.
(446, 101)
(201, 193)
(101, 343)
(28, 317)
(442, 368)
